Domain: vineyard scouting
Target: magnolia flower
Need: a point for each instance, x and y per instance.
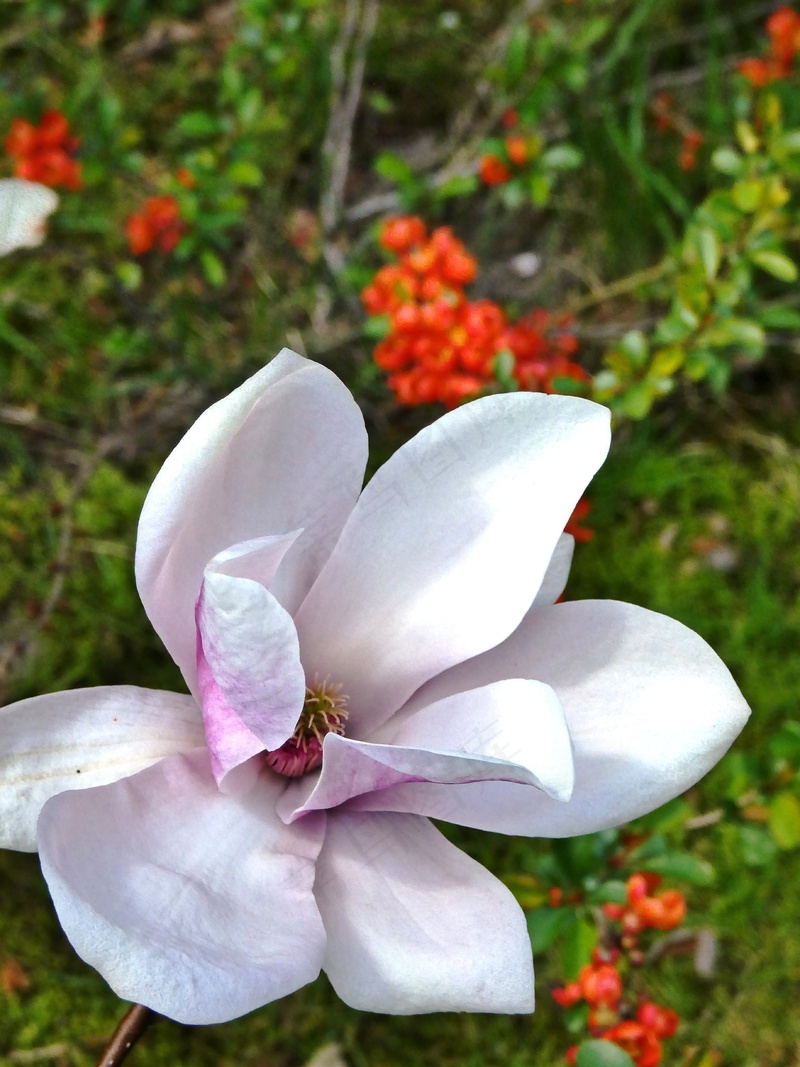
(24, 207)
(358, 662)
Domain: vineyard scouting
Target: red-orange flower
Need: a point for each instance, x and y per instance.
(637, 1040)
(492, 170)
(43, 153)
(158, 224)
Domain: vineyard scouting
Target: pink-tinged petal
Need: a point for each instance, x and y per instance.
(555, 580)
(414, 925)
(192, 902)
(250, 646)
(81, 738)
(512, 731)
(650, 707)
(448, 545)
(285, 450)
(230, 743)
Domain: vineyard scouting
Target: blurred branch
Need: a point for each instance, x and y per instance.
(355, 34)
(163, 33)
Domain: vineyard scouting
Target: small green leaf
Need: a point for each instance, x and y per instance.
(746, 194)
(636, 401)
(779, 317)
(546, 924)
(784, 820)
(562, 157)
(635, 346)
(576, 951)
(460, 185)
(393, 168)
(198, 124)
(683, 866)
(213, 268)
(725, 332)
(539, 190)
(516, 63)
(612, 892)
(377, 327)
(776, 264)
(756, 847)
(130, 274)
(245, 172)
(709, 248)
(601, 1053)
(727, 161)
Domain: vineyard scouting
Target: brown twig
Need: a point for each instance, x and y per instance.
(133, 1024)
(358, 26)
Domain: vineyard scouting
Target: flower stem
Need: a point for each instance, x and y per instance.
(131, 1027)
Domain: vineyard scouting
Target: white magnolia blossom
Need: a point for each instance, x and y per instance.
(358, 663)
(24, 207)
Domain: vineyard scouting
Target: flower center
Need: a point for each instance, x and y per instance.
(324, 712)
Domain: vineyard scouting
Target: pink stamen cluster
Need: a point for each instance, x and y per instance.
(324, 712)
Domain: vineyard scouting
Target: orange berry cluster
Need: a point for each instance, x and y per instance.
(494, 169)
(442, 346)
(638, 1028)
(783, 27)
(664, 910)
(640, 1033)
(667, 118)
(43, 153)
(158, 224)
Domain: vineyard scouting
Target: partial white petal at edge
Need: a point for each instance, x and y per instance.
(196, 904)
(82, 738)
(415, 925)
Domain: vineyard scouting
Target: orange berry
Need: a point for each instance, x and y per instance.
(401, 233)
(493, 171)
(517, 148)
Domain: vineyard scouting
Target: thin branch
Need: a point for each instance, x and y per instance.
(133, 1025)
(357, 28)
(622, 286)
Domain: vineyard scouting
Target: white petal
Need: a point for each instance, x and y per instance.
(250, 644)
(197, 904)
(448, 545)
(24, 207)
(285, 450)
(82, 738)
(512, 731)
(650, 706)
(555, 580)
(414, 925)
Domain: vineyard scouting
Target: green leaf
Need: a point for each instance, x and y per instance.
(747, 194)
(726, 332)
(546, 924)
(756, 847)
(562, 157)
(776, 264)
(636, 401)
(213, 268)
(784, 820)
(198, 124)
(460, 185)
(576, 951)
(612, 892)
(539, 190)
(727, 161)
(683, 866)
(516, 64)
(709, 248)
(635, 346)
(601, 1053)
(377, 327)
(130, 274)
(779, 317)
(245, 172)
(393, 168)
